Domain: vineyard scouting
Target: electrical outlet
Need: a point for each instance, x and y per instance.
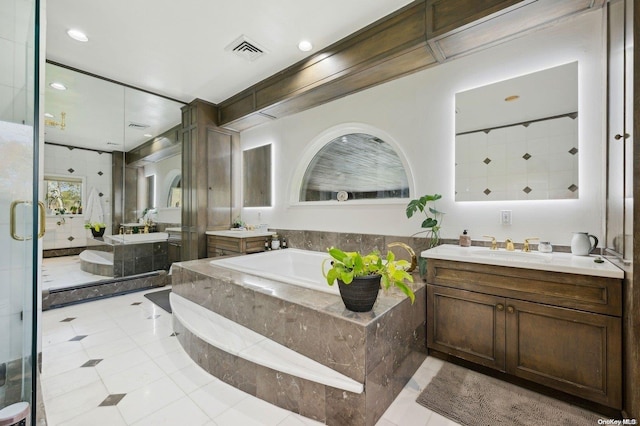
(505, 217)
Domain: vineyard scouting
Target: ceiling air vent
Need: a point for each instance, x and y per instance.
(246, 48)
(139, 126)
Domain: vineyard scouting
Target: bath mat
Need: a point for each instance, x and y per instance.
(471, 398)
(160, 298)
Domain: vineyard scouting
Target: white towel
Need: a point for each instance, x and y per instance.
(93, 211)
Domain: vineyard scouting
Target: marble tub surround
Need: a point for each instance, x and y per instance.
(255, 348)
(380, 349)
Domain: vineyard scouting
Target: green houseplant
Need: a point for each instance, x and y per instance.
(97, 228)
(431, 224)
(360, 276)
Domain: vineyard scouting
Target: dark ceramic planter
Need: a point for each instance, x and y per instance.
(99, 233)
(361, 294)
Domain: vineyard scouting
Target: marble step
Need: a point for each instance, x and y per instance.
(240, 341)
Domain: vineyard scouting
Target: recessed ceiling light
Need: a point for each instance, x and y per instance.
(58, 86)
(77, 35)
(305, 46)
(46, 114)
(148, 135)
(511, 98)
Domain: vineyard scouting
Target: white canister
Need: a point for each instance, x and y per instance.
(275, 242)
(581, 243)
(545, 247)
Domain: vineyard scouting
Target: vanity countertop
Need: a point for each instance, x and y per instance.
(555, 262)
(173, 229)
(241, 234)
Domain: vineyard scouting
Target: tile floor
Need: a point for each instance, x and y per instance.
(60, 272)
(115, 362)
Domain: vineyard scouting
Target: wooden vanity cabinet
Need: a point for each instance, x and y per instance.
(559, 330)
(222, 246)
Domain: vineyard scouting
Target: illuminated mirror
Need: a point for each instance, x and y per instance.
(257, 176)
(518, 139)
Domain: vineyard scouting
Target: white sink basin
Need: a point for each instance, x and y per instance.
(556, 262)
(515, 256)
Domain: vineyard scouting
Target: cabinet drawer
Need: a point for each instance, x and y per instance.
(593, 294)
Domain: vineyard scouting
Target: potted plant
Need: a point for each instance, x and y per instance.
(431, 224)
(97, 228)
(360, 277)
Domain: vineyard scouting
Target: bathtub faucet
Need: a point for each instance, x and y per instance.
(414, 259)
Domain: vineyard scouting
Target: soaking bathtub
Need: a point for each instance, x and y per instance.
(301, 268)
(269, 324)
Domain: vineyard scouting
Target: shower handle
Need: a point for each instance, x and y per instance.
(12, 225)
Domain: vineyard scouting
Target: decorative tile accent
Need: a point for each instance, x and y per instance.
(68, 319)
(77, 338)
(487, 191)
(100, 173)
(174, 334)
(527, 190)
(487, 160)
(70, 170)
(112, 399)
(573, 151)
(70, 148)
(91, 363)
(71, 238)
(526, 156)
(100, 194)
(153, 317)
(573, 188)
(136, 303)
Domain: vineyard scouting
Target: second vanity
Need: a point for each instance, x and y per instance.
(222, 243)
(553, 319)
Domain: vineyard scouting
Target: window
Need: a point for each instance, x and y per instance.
(64, 194)
(355, 166)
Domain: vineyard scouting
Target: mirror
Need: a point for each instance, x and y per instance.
(119, 145)
(257, 176)
(355, 166)
(518, 139)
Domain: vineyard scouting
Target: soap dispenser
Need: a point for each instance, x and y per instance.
(465, 240)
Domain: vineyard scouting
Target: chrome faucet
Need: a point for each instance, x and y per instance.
(525, 247)
(414, 259)
(508, 244)
(494, 243)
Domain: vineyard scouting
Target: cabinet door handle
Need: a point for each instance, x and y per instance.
(619, 136)
(510, 309)
(499, 307)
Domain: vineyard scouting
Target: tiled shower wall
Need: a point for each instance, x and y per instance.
(68, 230)
(534, 162)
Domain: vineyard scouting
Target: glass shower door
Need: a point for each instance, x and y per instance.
(18, 202)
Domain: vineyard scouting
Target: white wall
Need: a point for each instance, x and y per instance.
(417, 111)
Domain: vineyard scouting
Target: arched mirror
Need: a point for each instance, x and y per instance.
(355, 166)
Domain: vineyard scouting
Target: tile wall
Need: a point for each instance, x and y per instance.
(68, 230)
(519, 163)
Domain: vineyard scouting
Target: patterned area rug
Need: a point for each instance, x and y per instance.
(471, 398)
